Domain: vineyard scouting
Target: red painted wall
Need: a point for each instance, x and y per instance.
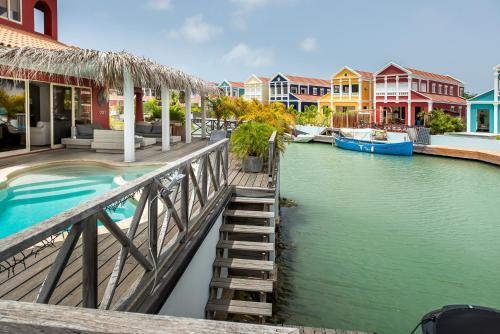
(28, 17)
(100, 111)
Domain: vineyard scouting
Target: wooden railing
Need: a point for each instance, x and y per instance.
(170, 204)
(273, 160)
(211, 124)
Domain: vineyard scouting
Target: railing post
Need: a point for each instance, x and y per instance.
(226, 162)
(204, 177)
(217, 166)
(185, 198)
(153, 221)
(89, 262)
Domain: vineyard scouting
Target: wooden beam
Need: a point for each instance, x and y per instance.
(153, 222)
(59, 264)
(122, 256)
(122, 238)
(89, 262)
(185, 197)
(28, 318)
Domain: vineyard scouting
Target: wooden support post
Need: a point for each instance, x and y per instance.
(226, 162)
(153, 221)
(217, 167)
(203, 116)
(204, 177)
(89, 262)
(185, 198)
(128, 118)
(59, 264)
(165, 118)
(187, 107)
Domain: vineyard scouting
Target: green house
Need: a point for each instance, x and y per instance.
(482, 110)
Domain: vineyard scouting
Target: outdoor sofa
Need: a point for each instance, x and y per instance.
(153, 130)
(84, 135)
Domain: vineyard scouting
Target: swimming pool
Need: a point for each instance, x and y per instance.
(44, 192)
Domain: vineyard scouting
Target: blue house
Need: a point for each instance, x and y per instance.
(482, 110)
(297, 91)
(232, 88)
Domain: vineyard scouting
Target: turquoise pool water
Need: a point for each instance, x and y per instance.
(377, 241)
(40, 194)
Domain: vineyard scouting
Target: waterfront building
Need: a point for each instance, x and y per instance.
(296, 90)
(482, 110)
(402, 93)
(232, 88)
(351, 90)
(257, 88)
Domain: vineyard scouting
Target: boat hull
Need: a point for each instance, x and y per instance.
(403, 148)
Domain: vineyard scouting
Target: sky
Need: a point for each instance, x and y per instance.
(233, 39)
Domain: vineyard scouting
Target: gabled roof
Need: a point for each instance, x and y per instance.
(264, 79)
(359, 73)
(236, 84)
(434, 76)
(392, 64)
(306, 80)
(307, 98)
(443, 98)
(16, 38)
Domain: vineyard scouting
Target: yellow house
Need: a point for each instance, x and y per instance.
(351, 90)
(257, 88)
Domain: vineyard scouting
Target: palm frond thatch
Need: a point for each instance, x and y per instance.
(104, 68)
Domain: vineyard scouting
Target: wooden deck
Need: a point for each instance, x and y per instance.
(312, 330)
(24, 282)
(152, 155)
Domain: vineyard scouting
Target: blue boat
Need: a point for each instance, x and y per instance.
(402, 148)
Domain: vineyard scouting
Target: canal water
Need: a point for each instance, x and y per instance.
(378, 241)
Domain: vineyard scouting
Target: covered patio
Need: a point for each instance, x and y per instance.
(112, 70)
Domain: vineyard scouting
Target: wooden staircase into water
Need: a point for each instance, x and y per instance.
(244, 267)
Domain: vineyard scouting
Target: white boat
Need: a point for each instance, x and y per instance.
(303, 138)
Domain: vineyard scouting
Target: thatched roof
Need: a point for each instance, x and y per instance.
(105, 68)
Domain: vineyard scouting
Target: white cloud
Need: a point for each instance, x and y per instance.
(196, 30)
(159, 4)
(309, 44)
(245, 8)
(242, 53)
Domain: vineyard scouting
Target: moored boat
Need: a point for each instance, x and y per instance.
(305, 138)
(377, 147)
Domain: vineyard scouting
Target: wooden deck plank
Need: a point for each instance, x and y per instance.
(248, 214)
(243, 284)
(253, 200)
(241, 307)
(248, 229)
(246, 245)
(244, 264)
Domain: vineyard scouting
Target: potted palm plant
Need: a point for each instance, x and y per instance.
(249, 143)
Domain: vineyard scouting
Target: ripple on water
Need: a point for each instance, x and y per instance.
(378, 241)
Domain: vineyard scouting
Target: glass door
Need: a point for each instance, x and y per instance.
(483, 120)
(12, 116)
(62, 115)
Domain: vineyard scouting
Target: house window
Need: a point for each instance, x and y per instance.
(423, 87)
(322, 91)
(445, 90)
(278, 88)
(285, 89)
(303, 90)
(434, 88)
(345, 89)
(272, 90)
(293, 90)
(414, 85)
(452, 108)
(336, 89)
(461, 91)
(315, 91)
(11, 10)
(460, 110)
(328, 90)
(355, 88)
(451, 90)
(440, 89)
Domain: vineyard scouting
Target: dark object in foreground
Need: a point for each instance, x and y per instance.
(462, 319)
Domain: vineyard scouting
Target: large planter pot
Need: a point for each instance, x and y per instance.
(253, 164)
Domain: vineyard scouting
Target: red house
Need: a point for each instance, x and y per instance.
(402, 93)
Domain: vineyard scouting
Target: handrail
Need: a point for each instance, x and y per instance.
(272, 159)
(179, 192)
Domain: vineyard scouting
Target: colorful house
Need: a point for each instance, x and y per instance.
(232, 88)
(482, 110)
(257, 88)
(296, 90)
(402, 93)
(351, 90)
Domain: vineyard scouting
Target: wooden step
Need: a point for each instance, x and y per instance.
(249, 214)
(253, 200)
(248, 229)
(240, 307)
(243, 284)
(244, 264)
(246, 245)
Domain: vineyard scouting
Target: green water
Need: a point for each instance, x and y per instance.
(378, 241)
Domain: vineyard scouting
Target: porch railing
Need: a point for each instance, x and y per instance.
(170, 204)
(273, 160)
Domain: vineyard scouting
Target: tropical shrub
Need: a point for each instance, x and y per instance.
(152, 109)
(439, 122)
(251, 139)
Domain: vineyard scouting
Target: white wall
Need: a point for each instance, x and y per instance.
(190, 295)
(466, 142)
